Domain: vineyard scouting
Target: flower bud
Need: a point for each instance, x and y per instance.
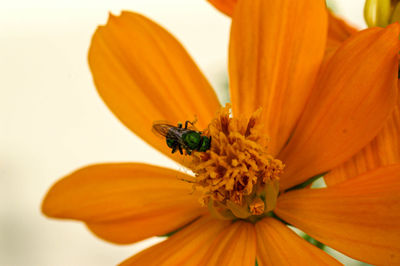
(395, 13)
(377, 12)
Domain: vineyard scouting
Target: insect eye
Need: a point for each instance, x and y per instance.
(205, 145)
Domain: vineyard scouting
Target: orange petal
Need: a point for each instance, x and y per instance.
(381, 151)
(186, 247)
(144, 74)
(273, 66)
(225, 6)
(278, 245)
(236, 245)
(338, 31)
(359, 217)
(354, 95)
(115, 198)
(139, 227)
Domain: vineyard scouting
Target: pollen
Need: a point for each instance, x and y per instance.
(237, 176)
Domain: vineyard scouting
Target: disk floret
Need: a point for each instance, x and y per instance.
(237, 177)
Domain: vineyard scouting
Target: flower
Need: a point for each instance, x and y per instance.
(317, 113)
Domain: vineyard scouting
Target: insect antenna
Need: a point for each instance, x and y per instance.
(192, 126)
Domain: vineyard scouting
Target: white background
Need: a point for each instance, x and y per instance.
(52, 120)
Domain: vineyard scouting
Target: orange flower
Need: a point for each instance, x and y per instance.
(316, 114)
(384, 149)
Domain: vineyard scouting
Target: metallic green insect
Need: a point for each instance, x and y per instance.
(179, 138)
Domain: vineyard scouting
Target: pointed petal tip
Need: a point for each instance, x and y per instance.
(394, 29)
(111, 15)
(114, 18)
(111, 18)
(395, 25)
(225, 6)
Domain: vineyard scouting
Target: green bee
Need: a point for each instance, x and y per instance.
(179, 137)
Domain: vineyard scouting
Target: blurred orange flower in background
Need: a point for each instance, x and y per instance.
(327, 106)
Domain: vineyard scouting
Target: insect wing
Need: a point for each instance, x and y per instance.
(164, 129)
(161, 128)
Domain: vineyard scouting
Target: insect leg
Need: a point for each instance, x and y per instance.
(174, 149)
(180, 149)
(180, 125)
(188, 151)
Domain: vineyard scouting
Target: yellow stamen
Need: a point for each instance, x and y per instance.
(237, 174)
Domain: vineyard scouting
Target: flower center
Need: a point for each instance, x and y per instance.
(237, 177)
